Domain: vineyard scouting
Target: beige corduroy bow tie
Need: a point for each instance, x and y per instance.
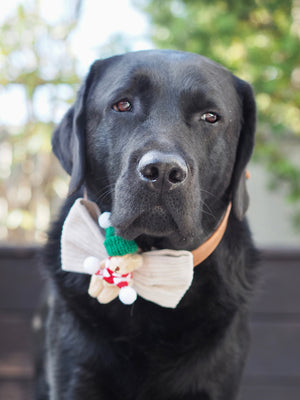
(163, 278)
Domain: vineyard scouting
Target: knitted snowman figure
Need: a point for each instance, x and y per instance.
(113, 277)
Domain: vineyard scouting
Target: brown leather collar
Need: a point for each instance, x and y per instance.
(206, 248)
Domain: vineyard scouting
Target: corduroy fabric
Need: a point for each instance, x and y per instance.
(164, 277)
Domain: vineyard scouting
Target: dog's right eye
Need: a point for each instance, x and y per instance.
(122, 106)
(210, 117)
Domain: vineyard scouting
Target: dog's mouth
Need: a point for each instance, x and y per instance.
(158, 226)
(156, 222)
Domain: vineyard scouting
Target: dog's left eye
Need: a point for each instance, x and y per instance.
(122, 106)
(210, 117)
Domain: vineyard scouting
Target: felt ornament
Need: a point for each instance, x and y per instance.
(113, 277)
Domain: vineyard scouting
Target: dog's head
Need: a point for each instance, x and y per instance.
(161, 139)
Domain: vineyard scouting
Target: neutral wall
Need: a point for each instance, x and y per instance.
(269, 214)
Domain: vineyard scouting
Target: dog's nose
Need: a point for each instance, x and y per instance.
(162, 169)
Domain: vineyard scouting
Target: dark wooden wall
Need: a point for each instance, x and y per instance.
(273, 367)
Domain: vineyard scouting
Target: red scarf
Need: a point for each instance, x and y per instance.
(113, 278)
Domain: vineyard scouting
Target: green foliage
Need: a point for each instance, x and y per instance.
(34, 56)
(259, 42)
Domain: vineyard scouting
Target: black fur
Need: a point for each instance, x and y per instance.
(144, 351)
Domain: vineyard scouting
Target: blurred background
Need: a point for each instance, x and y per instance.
(46, 48)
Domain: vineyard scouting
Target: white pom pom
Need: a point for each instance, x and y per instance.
(104, 221)
(91, 265)
(127, 295)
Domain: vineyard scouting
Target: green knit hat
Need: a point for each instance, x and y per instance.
(116, 245)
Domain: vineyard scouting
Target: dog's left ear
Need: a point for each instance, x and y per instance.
(240, 198)
(68, 140)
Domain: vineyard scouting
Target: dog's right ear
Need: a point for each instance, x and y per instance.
(68, 140)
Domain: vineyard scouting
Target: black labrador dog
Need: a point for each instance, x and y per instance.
(162, 140)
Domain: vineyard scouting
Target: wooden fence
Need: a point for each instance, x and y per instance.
(273, 367)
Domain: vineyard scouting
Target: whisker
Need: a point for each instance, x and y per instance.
(209, 212)
(210, 193)
(103, 195)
